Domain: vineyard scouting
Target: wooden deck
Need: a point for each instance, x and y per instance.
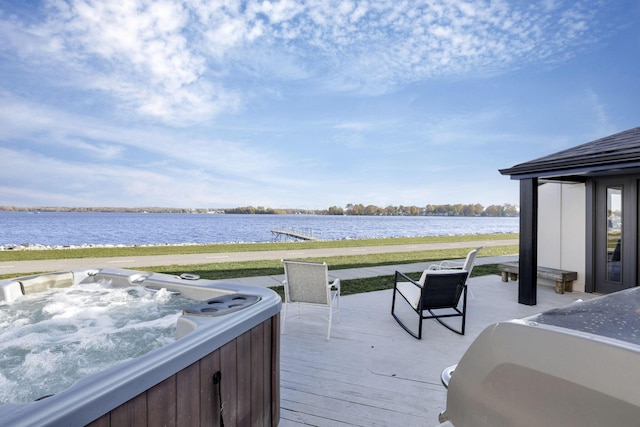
(371, 372)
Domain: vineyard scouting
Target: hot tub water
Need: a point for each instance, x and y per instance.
(224, 331)
(51, 339)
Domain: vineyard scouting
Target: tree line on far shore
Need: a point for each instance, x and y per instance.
(372, 210)
(351, 209)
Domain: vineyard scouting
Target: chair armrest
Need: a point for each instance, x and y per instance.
(406, 278)
(334, 284)
(451, 265)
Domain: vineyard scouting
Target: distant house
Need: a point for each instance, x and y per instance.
(580, 211)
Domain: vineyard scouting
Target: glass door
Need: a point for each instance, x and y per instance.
(615, 231)
(614, 234)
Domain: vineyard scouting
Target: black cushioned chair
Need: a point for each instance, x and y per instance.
(435, 296)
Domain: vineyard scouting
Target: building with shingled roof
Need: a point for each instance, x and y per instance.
(580, 211)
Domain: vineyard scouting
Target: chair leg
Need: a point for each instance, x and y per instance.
(449, 327)
(462, 313)
(284, 317)
(405, 327)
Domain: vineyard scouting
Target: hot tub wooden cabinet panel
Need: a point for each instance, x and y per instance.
(249, 386)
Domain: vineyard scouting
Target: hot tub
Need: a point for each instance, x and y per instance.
(223, 366)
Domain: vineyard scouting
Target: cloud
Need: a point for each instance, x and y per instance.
(356, 126)
(601, 122)
(177, 62)
(35, 179)
(97, 141)
(383, 44)
(136, 52)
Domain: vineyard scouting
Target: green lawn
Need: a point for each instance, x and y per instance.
(228, 270)
(25, 255)
(380, 283)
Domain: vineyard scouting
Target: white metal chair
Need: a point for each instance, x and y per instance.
(307, 286)
(466, 265)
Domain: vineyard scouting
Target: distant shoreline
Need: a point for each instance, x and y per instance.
(458, 210)
(41, 247)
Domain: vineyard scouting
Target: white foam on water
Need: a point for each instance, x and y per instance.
(50, 340)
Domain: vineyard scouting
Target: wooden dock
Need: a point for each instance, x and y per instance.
(279, 233)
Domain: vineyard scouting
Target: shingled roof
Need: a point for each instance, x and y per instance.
(618, 151)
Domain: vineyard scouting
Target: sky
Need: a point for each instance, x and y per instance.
(303, 104)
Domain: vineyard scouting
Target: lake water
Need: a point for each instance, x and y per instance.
(97, 228)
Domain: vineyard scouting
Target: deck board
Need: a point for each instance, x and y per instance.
(371, 372)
